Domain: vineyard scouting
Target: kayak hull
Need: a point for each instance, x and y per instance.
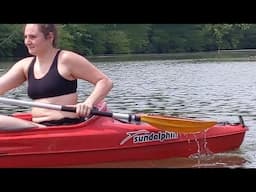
(104, 139)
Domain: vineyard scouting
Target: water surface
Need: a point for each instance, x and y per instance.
(219, 90)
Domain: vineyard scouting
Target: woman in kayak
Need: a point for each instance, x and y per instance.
(52, 76)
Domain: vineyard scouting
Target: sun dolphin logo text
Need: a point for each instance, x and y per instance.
(143, 136)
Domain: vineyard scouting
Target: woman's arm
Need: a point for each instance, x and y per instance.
(81, 68)
(14, 77)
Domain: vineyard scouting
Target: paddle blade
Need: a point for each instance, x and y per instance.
(179, 125)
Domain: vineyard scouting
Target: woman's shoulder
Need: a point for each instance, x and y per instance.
(25, 61)
(70, 56)
(68, 53)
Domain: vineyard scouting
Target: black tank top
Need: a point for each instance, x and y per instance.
(51, 85)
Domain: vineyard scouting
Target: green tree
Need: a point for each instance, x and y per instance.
(116, 42)
(10, 36)
(226, 36)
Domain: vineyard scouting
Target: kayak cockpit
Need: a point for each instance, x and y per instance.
(102, 106)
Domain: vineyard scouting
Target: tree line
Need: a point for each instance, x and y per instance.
(104, 39)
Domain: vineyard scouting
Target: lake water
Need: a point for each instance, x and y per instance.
(220, 90)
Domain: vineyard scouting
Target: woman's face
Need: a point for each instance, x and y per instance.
(35, 40)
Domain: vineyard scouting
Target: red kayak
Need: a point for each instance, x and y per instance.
(105, 139)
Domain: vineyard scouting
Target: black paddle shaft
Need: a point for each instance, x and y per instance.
(94, 111)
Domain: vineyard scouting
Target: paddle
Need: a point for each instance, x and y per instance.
(166, 123)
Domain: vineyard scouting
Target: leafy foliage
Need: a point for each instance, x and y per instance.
(99, 39)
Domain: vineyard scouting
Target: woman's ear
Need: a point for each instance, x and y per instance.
(50, 36)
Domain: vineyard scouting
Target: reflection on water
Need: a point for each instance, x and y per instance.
(202, 89)
(203, 161)
(220, 161)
